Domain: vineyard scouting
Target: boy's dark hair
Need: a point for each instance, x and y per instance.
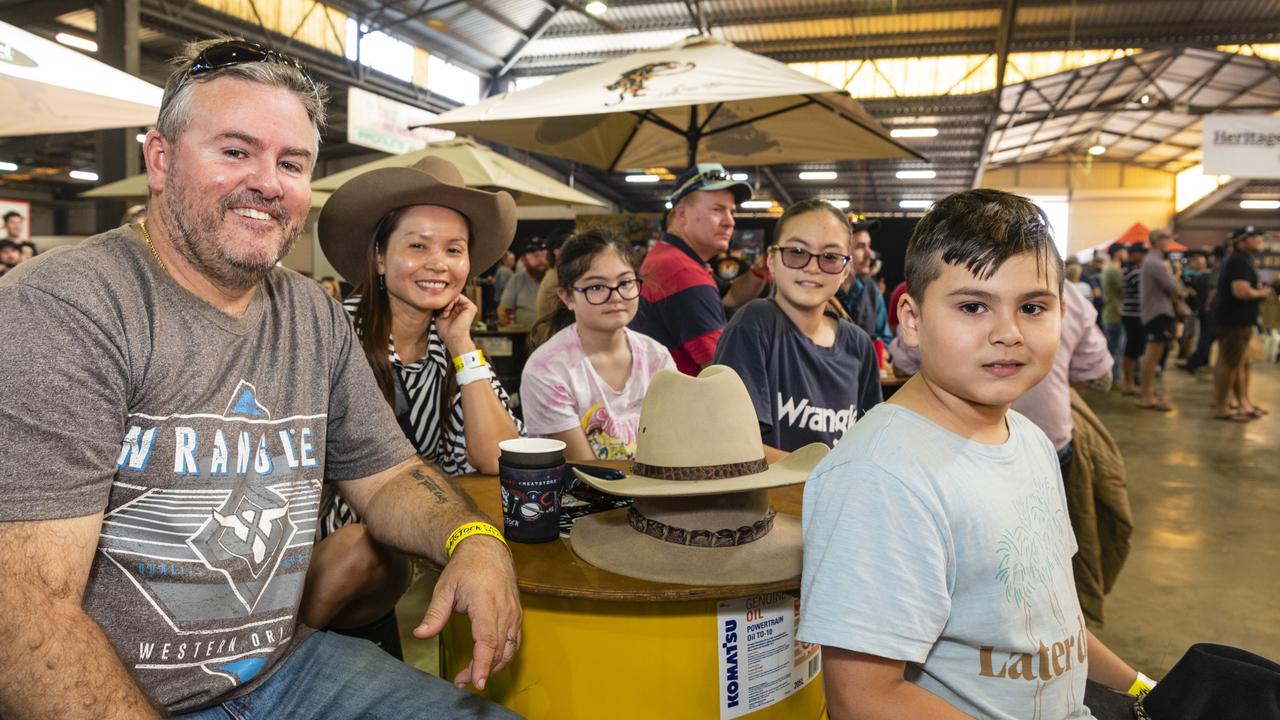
(805, 207)
(978, 229)
(12, 213)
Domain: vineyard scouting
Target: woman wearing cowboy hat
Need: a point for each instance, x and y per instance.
(409, 239)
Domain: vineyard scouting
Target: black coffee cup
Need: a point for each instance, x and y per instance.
(530, 472)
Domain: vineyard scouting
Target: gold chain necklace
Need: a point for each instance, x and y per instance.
(147, 236)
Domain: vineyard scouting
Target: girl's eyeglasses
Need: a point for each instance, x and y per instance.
(600, 294)
(797, 258)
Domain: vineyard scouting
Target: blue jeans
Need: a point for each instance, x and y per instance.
(1114, 333)
(340, 677)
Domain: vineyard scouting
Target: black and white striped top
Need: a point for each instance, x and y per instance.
(437, 435)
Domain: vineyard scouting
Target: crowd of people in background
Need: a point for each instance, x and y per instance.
(1153, 306)
(14, 248)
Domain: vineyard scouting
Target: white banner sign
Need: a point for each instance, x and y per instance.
(1242, 146)
(383, 124)
(760, 661)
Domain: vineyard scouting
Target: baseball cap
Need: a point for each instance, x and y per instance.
(1138, 246)
(709, 176)
(1243, 232)
(533, 244)
(862, 222)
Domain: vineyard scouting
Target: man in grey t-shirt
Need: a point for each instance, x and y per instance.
(162, 469)
(1158, 289)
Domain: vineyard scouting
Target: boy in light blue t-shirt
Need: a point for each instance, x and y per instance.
(937, 547)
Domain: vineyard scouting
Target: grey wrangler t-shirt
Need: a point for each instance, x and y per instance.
(202, 438)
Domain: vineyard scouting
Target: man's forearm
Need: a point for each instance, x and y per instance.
(416, 510)
(55, 662)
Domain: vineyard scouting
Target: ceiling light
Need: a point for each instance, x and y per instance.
(645, 178)
(668, 204)
(83, 175)
(739, 177)
(915, 204)
(842, 204)
(1260, 204)
(757, 205)
(8, 166)
(76, 41)
(597, 8)
(140, 137)
(1097, 150)
(914, 132)
(818, 175)
(917, 174)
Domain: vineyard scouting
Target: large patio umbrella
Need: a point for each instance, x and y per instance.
(481, 168)
(135, 188)
(701, 99)
(48, 88)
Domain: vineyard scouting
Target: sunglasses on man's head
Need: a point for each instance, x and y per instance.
(238, 52)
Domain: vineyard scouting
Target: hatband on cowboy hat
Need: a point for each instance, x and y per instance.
(352, 213)
(700, 436)
(701, 514)
(608, 540)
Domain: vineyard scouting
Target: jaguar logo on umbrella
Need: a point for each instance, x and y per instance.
(634, 81)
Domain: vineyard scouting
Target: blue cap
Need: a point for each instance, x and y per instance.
(709, 176)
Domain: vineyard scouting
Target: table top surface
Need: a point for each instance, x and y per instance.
(553, 569)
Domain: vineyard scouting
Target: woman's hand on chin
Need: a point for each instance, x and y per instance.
(453, 322)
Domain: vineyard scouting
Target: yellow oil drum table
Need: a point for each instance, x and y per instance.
(599, 645)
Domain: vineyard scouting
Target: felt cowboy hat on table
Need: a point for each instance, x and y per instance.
(1215, 682)
(701, 514)
(351, 214)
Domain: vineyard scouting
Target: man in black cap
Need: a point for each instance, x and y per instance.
(10, 255)
(860, 294)
(519, 302)
(680, 305)
(1236, 314)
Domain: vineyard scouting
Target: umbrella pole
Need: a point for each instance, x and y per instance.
(693, 135)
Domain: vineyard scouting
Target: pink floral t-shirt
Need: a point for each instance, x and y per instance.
(560, 390)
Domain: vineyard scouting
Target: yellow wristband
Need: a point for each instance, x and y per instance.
(1141, 685)
(466, 530)
(472, 359)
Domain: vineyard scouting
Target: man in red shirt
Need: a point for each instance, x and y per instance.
(680, 306)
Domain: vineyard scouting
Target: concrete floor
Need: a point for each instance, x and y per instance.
(1205, 561)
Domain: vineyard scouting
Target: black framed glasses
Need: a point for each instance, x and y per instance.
(600, 294)
(238, 52)
(797, 258)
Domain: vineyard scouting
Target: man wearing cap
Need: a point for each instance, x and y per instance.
(162, 463)
(1236, 314)
(680, 306)
(1135, 337)
(1112, 300)
(861, 295)
(10, 255)
(519, 302)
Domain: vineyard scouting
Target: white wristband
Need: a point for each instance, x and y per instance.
(466, 376)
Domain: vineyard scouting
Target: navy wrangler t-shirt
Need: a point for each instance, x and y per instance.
(802, 392)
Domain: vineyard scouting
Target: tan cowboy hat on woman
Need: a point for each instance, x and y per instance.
(353, 212)
(701, 514)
